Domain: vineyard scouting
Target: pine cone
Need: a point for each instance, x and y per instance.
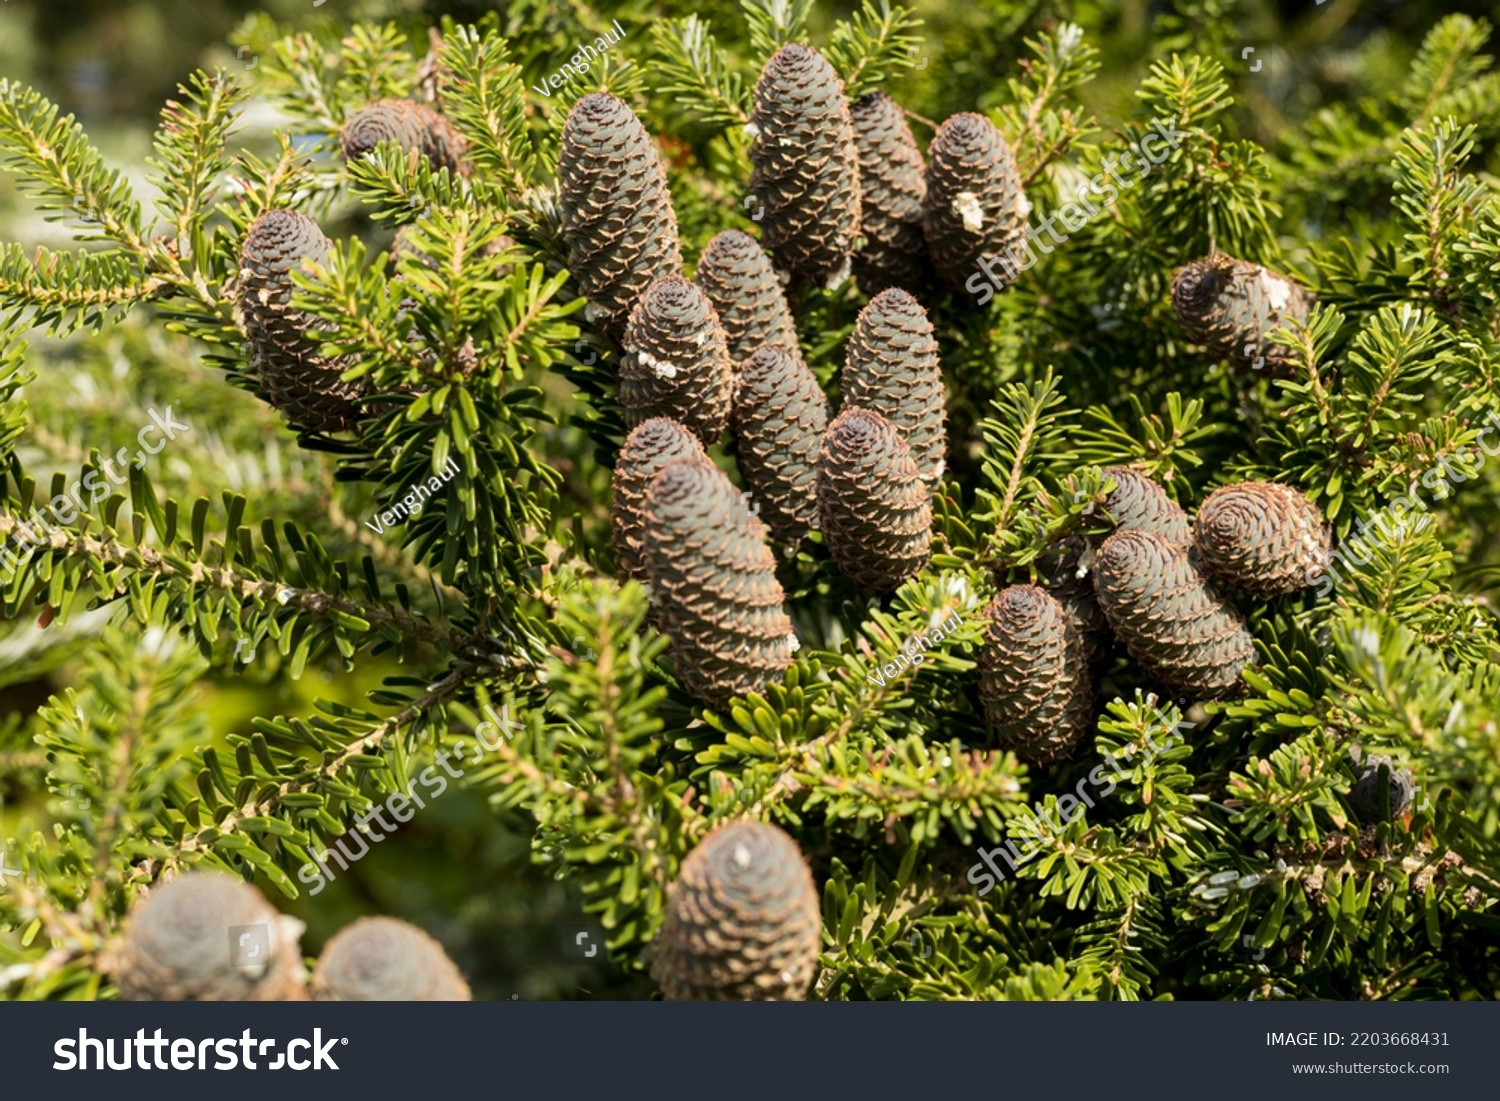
(676, 362)
(1066, 571)
(294, 377)
(1034, 677)
(892, 183)
(736, 274)
(1365, 794)
(381, 959)
(891, 368)
(618, 221)
(1231, 306)
(743, 921)
(806, 170)
(412, 126)
(206, 937)
(649, 448)
(780, 413)
(1170, 617)
(1139, 504)
(713, 584)
(875, 511)
(975, 207)
(1263, 537)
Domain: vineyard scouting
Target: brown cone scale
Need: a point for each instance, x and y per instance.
(742, 920)
(1232, 306)
(891, 368)
(1139, 504)
(1034, 679)
(874, 509)
(806, 170)
(780, 414)
(617, 216)
(415, 127)
(713, 584)
(381, 959)
(736, 274)
(651, 446)
(1262, 537)
(1170, 617)
(294, 375)
(676, 362)
(208, 937)
(975, 207)
(893, 184)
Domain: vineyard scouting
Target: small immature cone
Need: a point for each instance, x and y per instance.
(1170, 617)
(1263, 537)
(413, 126)
(651, 446)
(891, 368)
(294, 376)
(208, 937)
(381, 959)
(1231, 306)
(676, 362)
(875, 512)
(617, 217)
(736, 274)
(713, 583)
(1139, 504)
(1033, 676)
(975, 206)
(743, 921)
(806, 171)
(892, 184)
(780, 414)
(1369, 802)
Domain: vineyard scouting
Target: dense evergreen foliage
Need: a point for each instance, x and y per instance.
(1194, 835)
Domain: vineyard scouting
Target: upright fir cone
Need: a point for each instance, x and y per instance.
(415, 127)
(1170, 617)
(651, 446)
(676, 361)
(874, 510)
(743, 921)
(975, 206)
(618, 221)
(294, 376)
(1376, 802)
(207, 937)
(1065, 569)
(1033, 676)
(736, 274)
(806, 171)
(780, 414)
(1139, 504)
(891, 368)
(381, 959)
(1231, 306)
(892, 184)
(713, 584)
(1263, 537)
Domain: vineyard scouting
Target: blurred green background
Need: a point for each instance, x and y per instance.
(456, 869)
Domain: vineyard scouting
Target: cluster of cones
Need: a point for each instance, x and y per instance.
(1157, 587)
(742, 924)
(837, 189)
(209, 937)
(721, 351)
(864, 478)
